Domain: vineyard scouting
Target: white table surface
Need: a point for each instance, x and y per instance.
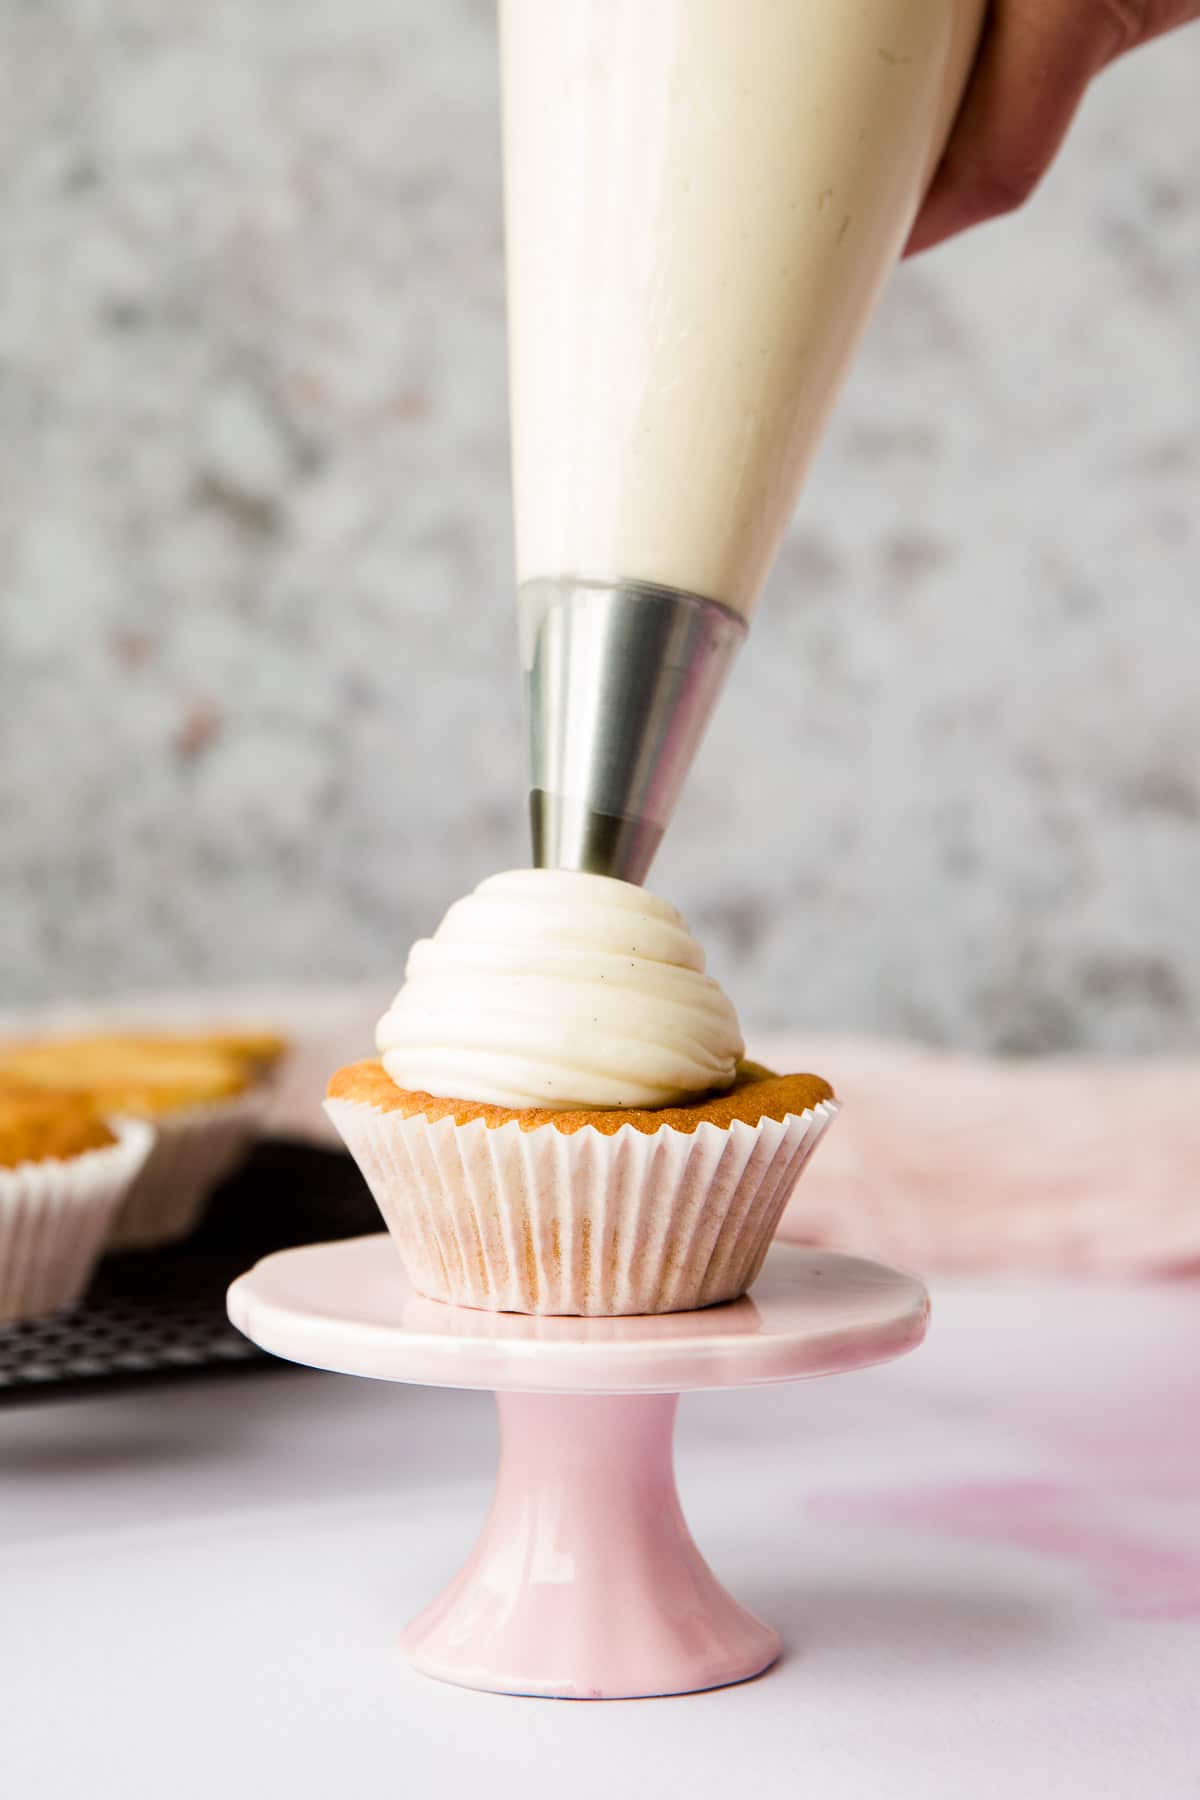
(984, 1559)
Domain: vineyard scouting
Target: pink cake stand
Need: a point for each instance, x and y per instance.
(585, 1583)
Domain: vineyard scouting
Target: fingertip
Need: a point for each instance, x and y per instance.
(943, 213)
(1031, 73)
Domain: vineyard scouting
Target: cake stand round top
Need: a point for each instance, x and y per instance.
(349, 1307)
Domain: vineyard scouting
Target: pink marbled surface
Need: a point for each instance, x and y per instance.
(244, 1552)
(1115, 1494)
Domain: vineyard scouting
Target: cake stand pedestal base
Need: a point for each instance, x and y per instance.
(586, 1583)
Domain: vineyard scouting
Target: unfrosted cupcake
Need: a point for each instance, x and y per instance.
(561, 1120)
(63, 1173)
(203, 1095)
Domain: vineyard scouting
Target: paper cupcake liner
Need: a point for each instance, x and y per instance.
(585, 1224)
(53, 1219)
(193, 1150)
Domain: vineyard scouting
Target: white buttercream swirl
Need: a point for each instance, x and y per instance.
(549, 988)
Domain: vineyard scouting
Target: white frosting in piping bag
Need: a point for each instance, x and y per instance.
(549, 988)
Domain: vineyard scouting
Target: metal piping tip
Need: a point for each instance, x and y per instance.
(620, 682)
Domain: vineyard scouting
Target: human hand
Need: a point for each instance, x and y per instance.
(1035, 61)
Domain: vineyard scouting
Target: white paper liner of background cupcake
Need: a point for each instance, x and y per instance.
(53, 1219)
(548, 1222)
(193, 1150)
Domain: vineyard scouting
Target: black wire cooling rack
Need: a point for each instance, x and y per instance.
(155, 1315)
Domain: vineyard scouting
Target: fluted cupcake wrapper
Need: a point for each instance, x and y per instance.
(576, 1223)
(53, 1219)
(193, 1150)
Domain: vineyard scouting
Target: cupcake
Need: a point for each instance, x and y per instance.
(561, 1119)
(63, 1173)
(203, 1095)
(259, 1052)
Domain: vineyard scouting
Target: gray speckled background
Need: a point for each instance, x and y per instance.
(260, 714)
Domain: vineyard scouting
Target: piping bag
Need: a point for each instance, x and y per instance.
(703, 200)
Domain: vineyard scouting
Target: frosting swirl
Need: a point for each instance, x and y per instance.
(551, 988)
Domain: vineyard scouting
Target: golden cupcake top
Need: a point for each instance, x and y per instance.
(259, 1051)
(36, 1126)
(757, 1094)
(130, 1073)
